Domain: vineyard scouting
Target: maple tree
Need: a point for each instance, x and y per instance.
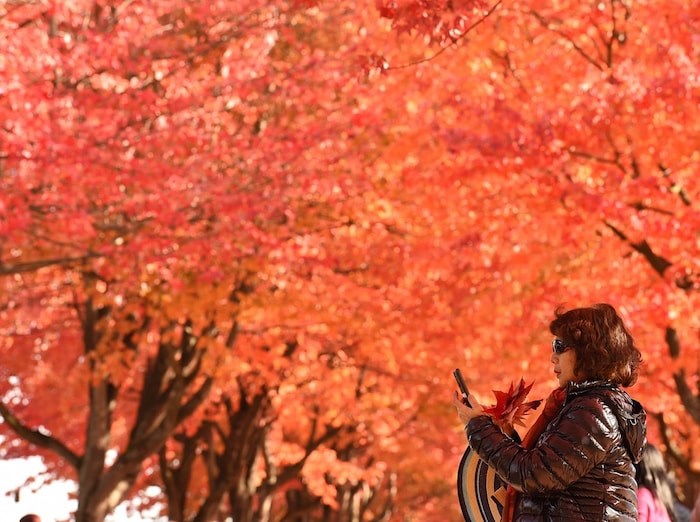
(262, 266)
(144, 242)
(589, 125)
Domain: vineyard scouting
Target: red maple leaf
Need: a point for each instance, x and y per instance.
(510, 407)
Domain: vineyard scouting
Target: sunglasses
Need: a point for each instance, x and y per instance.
(559, 346)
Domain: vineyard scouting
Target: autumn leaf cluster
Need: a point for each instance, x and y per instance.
(243, 244)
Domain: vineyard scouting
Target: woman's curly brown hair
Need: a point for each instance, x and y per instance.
(604, 348)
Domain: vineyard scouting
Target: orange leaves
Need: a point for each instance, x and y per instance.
(220, 174)
(373, 64)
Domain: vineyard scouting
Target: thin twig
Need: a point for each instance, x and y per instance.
(453, 42)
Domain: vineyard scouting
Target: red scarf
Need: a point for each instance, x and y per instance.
(551, 408)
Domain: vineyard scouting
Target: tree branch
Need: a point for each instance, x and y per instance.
(195, 400)
(674, 345)
(32, 266)
(675, 187)
(37, 438)
(672, 449)
(549, 26)
(641, 207)
(690, 401)
(453, 42)
(658, 263)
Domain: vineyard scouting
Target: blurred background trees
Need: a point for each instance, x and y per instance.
(243, 244)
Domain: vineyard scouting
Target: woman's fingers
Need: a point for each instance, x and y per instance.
(458, 401)
(475, 404)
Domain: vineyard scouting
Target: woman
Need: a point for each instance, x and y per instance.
(577, 461)
(655, 493)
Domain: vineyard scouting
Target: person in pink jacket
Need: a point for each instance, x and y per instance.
(655, 496)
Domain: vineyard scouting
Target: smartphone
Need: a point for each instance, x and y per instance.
(462, 386)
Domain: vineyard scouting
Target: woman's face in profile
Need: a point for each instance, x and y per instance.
(564, 364)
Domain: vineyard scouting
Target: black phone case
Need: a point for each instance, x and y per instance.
(462, 385)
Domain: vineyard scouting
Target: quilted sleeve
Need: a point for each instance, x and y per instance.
(576, 441)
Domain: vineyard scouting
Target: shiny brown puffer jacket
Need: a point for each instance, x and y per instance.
(582, 467)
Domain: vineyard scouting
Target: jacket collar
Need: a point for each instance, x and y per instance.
(575, 388)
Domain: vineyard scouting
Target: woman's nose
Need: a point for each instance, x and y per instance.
(554, 358)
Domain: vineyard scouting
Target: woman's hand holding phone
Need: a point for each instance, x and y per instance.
(462, 384)
(467, 407)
